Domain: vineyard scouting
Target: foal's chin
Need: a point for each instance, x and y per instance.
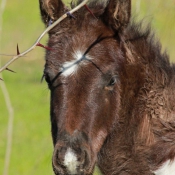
(73, 160)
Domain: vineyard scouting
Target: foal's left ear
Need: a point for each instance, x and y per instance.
(118, 13)
(51, 10)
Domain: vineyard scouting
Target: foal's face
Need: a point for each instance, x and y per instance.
(82, 72)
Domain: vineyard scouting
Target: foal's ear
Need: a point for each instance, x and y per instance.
(51, 9)
(118, 13)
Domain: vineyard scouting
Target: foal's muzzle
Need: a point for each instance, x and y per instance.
(72, 157)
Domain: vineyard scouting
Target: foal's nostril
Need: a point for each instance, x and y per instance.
(58, 159)
(86, 156)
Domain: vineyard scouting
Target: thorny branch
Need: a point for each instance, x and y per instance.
(41, 36)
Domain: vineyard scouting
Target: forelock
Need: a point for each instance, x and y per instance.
(97, 6)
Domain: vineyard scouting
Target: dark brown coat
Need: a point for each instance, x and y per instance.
(112, 92)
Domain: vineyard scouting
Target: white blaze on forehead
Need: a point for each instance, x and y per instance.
(70, 67)
(168, 168)
(70, 161)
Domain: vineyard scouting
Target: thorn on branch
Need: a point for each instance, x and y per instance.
(45, 47)
(88, 9)
(18, 53)
(10, 70)
(70, 15)
(1, 79)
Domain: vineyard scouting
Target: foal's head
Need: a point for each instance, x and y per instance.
(82, 72)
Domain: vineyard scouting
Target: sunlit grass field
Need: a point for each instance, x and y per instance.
(32, 145)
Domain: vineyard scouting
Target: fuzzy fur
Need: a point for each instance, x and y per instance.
(118, 111)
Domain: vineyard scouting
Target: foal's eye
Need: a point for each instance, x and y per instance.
(112, 81)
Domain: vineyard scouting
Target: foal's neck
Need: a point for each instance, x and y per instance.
(147, 109)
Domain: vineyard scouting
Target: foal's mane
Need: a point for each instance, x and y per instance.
(146, 42)
(145, 49)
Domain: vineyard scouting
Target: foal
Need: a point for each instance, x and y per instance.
(112, 92)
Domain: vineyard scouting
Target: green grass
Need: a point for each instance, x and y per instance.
(32, 146)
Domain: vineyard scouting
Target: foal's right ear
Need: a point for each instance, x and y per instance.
(51, 10)
(117, 13)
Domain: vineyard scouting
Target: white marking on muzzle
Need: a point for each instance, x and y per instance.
(70, 161)
(168, 168)
(70, 67)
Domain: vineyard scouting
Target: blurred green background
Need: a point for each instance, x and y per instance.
(32, 145)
